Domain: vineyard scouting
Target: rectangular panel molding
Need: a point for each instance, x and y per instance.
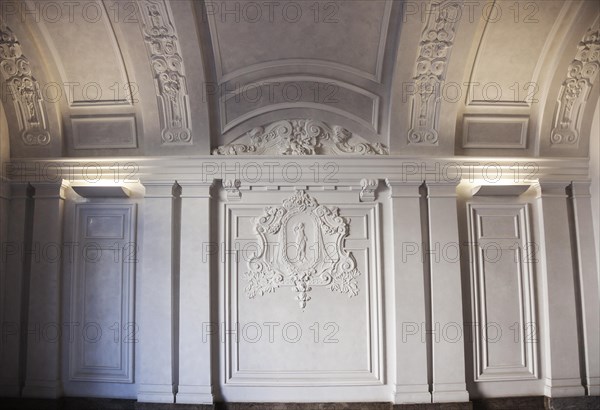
(504, 324)
(104, 131)
(102, 293)
(495, 131)
(269, 338)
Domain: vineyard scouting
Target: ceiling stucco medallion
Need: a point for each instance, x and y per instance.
(301, 246)
(301, 137)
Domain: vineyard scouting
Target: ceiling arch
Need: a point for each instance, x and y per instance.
(430, 77)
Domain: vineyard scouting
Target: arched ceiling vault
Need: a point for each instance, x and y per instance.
(434, 78)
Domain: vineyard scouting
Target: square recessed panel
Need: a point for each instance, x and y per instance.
(334, 340)
(499, 226)
(101, 226)
(493, 131)
(104, 132)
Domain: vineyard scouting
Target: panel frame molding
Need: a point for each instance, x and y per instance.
(232, 378)
(78, 145)
(529, 370)
(494, 119)
(77, 370)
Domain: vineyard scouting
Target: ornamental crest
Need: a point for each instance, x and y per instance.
(301, 247)
(301, 137)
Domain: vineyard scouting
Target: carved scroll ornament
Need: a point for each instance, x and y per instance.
(24, 90)
(301, 137)
(301, 246)
(169, 74)
(575, 90)
(436, 43)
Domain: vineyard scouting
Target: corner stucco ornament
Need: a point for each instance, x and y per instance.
(301, 137)
(575, 90)
(162, 43)
(435, 47)
(24, 90)
(301, 247)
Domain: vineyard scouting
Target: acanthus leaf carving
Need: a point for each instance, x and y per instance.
(368, 188)
(301, 137)
(301, 247)
(436, 43)
(575, 90)
(24, 90)
(162, 44)
(232, 188)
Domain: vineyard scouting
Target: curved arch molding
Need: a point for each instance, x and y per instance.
(299, 91)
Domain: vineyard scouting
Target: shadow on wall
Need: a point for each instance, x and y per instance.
(595, 174)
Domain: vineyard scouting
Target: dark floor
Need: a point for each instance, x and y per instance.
(515, 403)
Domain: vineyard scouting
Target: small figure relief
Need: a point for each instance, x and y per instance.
(328, 265)
(28, 94)
(300, 242)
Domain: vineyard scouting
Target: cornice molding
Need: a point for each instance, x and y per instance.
(303, 170)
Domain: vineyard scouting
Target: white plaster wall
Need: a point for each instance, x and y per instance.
(379, 327)
(595, 174)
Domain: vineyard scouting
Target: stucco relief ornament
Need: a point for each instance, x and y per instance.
(301, 137)
(302, 246)
(581, 74)
(24, 90)
(169, 74)
(436, 43)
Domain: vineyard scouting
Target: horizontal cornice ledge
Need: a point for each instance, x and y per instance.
(50, 190)
(581, 189)
(195, 188)
(552, 188)
(441, 189)
(158, 188)
(404, 187)
(299, 170)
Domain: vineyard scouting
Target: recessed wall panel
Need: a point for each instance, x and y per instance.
(269, 337)
(102, 294)
(503, 310)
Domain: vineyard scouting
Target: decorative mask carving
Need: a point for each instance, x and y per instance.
(368, 188)
(232, 188)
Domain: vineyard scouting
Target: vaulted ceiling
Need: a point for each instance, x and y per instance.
(436, 78)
